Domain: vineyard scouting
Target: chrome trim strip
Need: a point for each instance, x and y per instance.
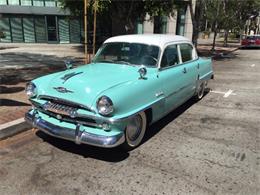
(206, 76)
(66, 101)
(177, 91)
(75, 135)
(118, 120)
(111, 120)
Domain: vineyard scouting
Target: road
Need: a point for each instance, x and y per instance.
(208, 147)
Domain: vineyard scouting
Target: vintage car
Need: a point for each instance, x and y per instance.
(132, 82)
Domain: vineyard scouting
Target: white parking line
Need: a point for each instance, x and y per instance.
(4, 60)
(229, 92)
(218, 92)
(252, 65)
(225, 94)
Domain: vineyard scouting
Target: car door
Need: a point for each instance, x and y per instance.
(175, 77)
(190, 66)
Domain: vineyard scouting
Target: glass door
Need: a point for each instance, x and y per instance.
(52, 29)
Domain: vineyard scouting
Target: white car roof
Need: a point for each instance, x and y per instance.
(150, 39)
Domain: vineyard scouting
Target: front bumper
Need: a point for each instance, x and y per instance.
(75, 135)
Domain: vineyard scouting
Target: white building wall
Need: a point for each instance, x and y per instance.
(148, 25)
(188, 22)
(172, 24)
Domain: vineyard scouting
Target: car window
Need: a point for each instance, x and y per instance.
(186, 52)
(251, 37)
(170, 56)
(128, 53)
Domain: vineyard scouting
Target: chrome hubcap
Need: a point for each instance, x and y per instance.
(134, 128)
(201, 90)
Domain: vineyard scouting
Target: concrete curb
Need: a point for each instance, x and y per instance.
(14, 127)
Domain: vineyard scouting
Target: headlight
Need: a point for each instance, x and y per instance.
(105, 105)
(31, 90)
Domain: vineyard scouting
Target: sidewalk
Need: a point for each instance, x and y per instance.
(20, 63)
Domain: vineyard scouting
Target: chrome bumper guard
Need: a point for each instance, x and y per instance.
(74, 134)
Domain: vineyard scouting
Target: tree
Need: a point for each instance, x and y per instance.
(127, 11)
(227, 15)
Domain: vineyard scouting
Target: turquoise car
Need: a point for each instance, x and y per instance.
(132, 82)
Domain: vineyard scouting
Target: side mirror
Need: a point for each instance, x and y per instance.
(142, 71)
(68, 64)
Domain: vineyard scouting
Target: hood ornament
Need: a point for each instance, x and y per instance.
(68, 64)
(62, 90)
(142, 72)
(68, 76)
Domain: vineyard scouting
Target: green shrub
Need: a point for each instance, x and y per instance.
(2, 35)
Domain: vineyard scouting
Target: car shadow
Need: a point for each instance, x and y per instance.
(87, 151)
(4, 89)
(8, 102)
(159, 125)
(249, 48)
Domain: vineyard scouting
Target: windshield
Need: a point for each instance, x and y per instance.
(128, 53)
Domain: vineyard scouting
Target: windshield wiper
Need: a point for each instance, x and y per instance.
(104, 61)
(122, 62)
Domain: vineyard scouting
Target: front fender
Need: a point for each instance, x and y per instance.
(135, 96)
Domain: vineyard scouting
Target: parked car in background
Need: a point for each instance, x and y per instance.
(132, 82)
(250, 41)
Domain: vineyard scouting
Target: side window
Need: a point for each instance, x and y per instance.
(186, 52)
(170, 56)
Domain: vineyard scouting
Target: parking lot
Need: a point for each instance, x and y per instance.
(205, 147)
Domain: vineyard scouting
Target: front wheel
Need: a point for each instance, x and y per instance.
(135, 131)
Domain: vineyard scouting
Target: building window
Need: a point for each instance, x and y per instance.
(139, 27)
(160, 24)
(74, 31)
(5, 29)
(38, 2)
(50, 3)
(3, 2)
(16, 29)
(28, 30)
(13, 2)
(40, 30)
(181, 21)
(26, 2)
(63, 26)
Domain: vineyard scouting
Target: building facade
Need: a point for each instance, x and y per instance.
(38, 21)
(43, 21)
(178, 24)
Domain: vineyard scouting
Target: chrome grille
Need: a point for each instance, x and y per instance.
(65, 102)
(60, 109)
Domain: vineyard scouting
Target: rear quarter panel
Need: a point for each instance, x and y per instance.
(205, 68)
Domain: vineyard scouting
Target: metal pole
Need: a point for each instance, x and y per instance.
(85, 29)
(94, 27)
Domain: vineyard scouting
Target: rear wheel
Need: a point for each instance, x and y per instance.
(201, 89)
(135, 131)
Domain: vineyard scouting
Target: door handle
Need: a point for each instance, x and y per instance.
(184, 70)
(159, 94)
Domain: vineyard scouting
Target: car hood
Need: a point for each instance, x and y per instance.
(86, 83)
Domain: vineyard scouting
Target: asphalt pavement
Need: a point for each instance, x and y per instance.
(205, 147)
